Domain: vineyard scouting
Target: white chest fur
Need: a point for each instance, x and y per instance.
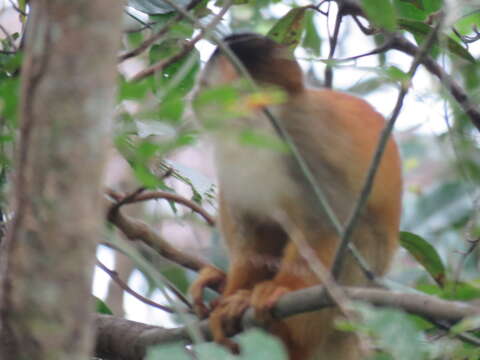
(253, 177)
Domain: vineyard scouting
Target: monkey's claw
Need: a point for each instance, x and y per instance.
(264, 297)
(225, 319)
(209, 276)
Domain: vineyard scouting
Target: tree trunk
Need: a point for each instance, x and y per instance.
(67, 98)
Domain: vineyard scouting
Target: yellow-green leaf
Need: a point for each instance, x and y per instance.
(288, 30)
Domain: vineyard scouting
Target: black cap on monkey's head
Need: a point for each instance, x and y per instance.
(267, 61)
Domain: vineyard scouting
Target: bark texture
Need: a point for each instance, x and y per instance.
(67, 98)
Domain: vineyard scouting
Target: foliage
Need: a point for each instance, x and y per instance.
(442, 170)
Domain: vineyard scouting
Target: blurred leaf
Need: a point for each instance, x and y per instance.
(441, 206)
(432, 5)
(392, 331)
(466, 23)
(178, 277)
(9, 96)
(381, 13)
(164, 50)
(155, 6)
(312, 40)
(366, 86)
(417, 3)
(459, 291)
(146, 177)
(425, 254)
(201, 10)
(288, 30)
(397, 74)
(101, 307)
(136, 90)
(255, 344)
(407, 10)
(262, 141)
(201, 185)
(467, 324)
(421, 29)
(175, 351)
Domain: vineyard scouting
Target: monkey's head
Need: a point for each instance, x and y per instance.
(268, 63)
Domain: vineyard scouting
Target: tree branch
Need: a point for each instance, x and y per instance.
(155, 195)
(128, 340)
(187, 47)
(471, 109)
(135, 230)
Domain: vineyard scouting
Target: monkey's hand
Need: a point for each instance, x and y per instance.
(264, 297)
(225, 320)
(209, 276)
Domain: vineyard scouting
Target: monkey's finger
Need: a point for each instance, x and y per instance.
(209, 276)
(216, 322)
(264, 297)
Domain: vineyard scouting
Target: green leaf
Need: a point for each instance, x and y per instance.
(155, 6)
(178, 277)
(421, 29)
(466, 23)
(432, 5)
(396, 74)
(132, 90)
(9, 96)
(425, 254)
(288, 30)
(381, 13)
(101, 307)
(417, 3)
(146, 177)
(407, 10)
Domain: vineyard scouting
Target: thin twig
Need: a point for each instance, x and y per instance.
(135, 230)
(114, 276)
(470, 108)
(380, 149)
(363, 28)
(150, 41)
(187, 47)
(155, 195)
(16, 8)
(156, 36)
(333, 46)
(9, 38)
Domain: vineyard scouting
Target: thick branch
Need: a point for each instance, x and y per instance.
(128, 340)
(135, 229)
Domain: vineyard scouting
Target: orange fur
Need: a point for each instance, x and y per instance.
(337, 135)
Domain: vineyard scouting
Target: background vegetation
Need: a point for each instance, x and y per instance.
(363, 47)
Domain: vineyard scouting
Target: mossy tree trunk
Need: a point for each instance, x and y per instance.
(47, 259)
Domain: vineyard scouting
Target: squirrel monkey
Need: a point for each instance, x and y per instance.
(337, 135)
